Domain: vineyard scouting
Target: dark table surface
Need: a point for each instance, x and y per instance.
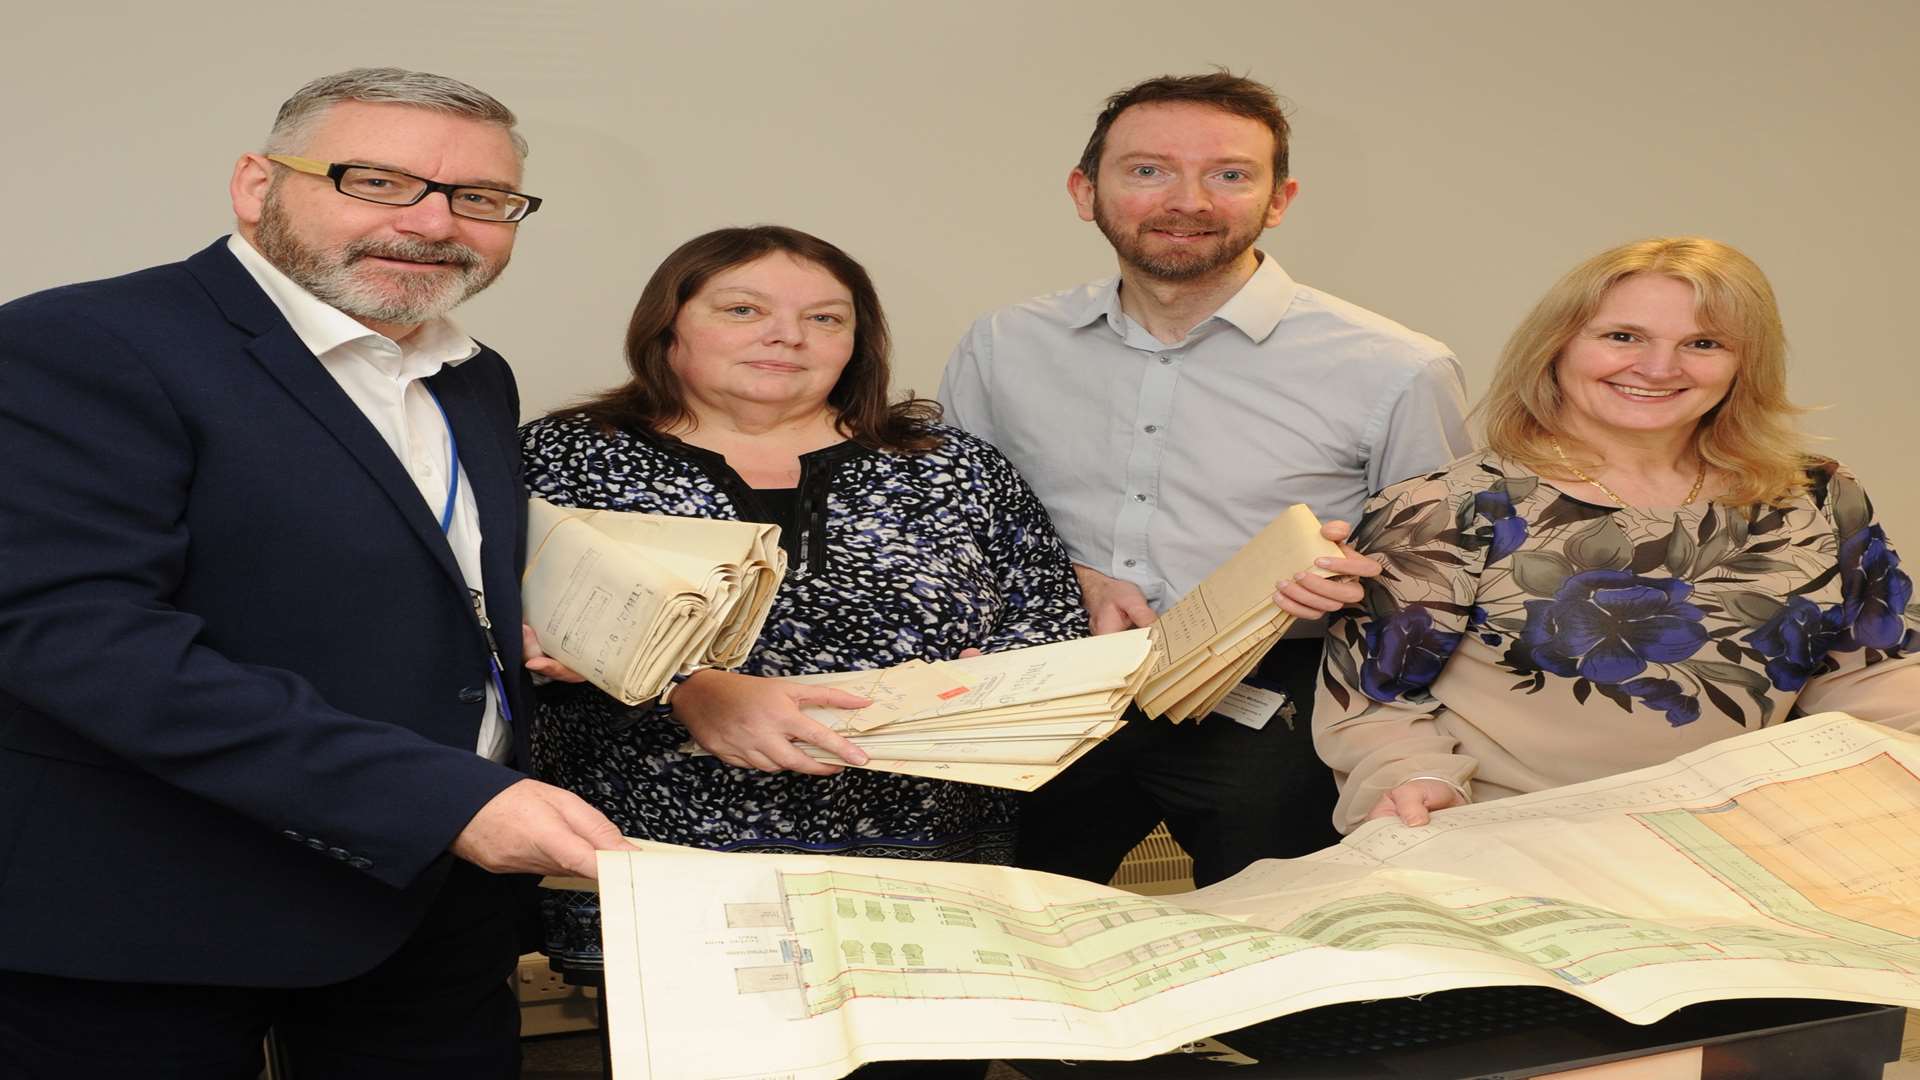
(1517, 1031)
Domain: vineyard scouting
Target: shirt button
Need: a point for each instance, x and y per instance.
(472, 695)
(1129, 562)
(1140, 497)
(1166, 359)
(1151, 428)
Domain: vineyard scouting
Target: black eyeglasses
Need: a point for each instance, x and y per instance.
(391, 188)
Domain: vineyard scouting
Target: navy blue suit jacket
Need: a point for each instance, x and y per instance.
(240, 674)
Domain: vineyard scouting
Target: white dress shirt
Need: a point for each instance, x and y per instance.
(1157, 461)
(385, 379)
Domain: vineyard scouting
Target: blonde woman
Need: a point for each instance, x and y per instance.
(1644, 559)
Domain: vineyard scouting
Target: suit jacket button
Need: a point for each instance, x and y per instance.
(359, 863)
(293, 836)
(472, 695)
(316, 843)
(339, 853)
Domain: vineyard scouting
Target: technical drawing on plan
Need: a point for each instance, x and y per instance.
(870, 936)
(1783, 862)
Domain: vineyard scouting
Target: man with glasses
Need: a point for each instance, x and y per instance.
(259, 540)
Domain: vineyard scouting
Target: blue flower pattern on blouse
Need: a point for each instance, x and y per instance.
(1674, 613)
(1404, 652)
(1509, 528)
(1665, 695)
(1876, 591)
(1796, 640)
(1605, 625)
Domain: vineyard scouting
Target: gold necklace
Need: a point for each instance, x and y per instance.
(1699, 478)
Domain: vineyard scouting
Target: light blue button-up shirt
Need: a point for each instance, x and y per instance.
(1157, 461)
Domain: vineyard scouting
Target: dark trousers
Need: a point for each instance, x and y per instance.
(440, 1007)
(1228, 793)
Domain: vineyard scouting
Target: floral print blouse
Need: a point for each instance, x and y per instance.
(1521, 637)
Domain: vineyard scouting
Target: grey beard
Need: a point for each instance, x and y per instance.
(369, 293)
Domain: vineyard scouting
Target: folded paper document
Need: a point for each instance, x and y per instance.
(1010, 719)
(630, 600)
(1217, 634)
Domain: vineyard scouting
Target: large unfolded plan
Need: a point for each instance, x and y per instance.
(1781, 863)
(629, 600)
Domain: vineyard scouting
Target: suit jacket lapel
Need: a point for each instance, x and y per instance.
(288, 361)
(492, 467)
(494, 478)
(280, 351)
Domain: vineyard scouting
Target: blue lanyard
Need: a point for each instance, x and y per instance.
(446, 524)
(453, 464)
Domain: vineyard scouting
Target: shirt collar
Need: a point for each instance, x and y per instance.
(1104, 299)
(1255, 310)
(322, 328)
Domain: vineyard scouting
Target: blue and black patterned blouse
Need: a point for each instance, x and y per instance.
(897, 556)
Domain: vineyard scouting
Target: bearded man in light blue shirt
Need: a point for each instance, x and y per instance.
(1166, 415)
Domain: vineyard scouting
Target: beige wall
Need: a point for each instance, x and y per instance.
(1454, 157)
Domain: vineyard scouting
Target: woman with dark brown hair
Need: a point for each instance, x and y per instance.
(759, 392)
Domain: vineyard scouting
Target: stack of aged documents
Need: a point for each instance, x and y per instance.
(1217, 634)
(629, 600)
(1011, 719)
